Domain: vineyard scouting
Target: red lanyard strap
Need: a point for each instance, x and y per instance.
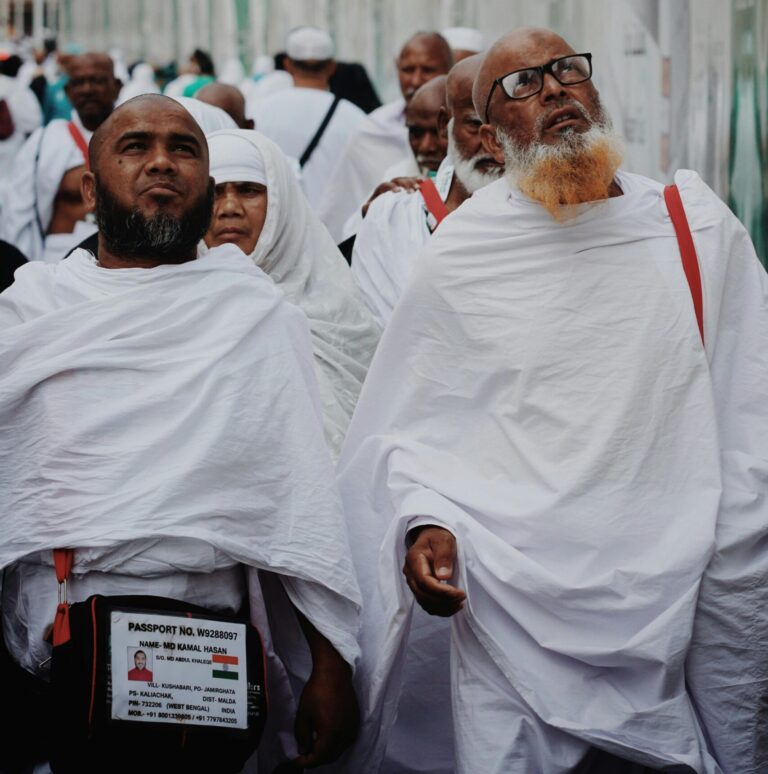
(687, 251)
(432, 199)
(63, 558)
(79, 141)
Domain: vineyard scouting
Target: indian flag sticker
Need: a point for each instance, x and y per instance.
(224, 662)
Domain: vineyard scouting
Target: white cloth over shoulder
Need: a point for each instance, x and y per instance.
(393, 232)
(178, 403)
(550, 402)
(27, 201)
(381, 140)
(294, 248)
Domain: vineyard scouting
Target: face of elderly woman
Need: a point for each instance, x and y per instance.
(239, 212)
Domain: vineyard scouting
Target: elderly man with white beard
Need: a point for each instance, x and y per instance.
(570, 457)
(399, 224)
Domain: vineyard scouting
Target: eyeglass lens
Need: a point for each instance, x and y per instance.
(568, 70)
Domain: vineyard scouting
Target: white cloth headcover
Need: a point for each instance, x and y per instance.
(236, 159)
(297, 251)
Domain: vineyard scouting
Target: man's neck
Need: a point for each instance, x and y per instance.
(457, 194)
(305, 82)
(108, 260)
(615, 189)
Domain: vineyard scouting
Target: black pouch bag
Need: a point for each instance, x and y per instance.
(87, 738)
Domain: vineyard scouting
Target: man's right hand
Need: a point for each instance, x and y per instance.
(410, 184)
(428, 565)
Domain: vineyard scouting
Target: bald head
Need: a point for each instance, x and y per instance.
(423, 57)
(229, 98)
(428, 99)
(432, 43)
(145, 110)
(461, 79)
(521, 48)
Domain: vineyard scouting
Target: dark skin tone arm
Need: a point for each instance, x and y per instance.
(68, 206)
(396, 184)
(429, 563)
(328, 718)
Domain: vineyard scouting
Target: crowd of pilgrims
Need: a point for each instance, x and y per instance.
(345, 148)
(574, 394)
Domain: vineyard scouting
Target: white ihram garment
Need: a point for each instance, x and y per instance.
(295, 250)
(380, 141)
(393, 232)
(549, 401)
(163, 422)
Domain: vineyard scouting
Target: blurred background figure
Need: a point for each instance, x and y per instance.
(196, 73)
(307, 121)
(20, 114)
(464, 41)
(142, 82)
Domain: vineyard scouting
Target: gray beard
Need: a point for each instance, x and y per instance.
(521, 161)
(471, 178)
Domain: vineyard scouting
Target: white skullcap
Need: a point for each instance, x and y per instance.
(309, 44)
(234, 159)
(464, 39)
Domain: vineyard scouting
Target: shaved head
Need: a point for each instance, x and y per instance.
(432, 43)
(424, 56)
(516, 50)
(140, 108)
(429, 98)
(461, 79)
(229, 98)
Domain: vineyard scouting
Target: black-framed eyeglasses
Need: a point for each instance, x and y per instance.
(521, 84)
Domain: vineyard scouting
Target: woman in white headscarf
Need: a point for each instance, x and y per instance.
(260, 207)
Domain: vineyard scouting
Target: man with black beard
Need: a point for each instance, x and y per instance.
(561, 444)
(160, 414)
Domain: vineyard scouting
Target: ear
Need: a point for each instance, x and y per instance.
(442, 123)
(331, 68)
(491, 144)
(118, 87)
(67, 90)
(88, 190)
(288, 65)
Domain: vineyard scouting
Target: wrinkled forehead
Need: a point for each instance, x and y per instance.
(533, 50)
(153, 118)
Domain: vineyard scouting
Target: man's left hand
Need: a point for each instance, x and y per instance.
(328, 718)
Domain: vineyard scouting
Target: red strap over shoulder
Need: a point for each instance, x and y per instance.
(77, 136)
(432, 199)
(687, 251)
(63, 559)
